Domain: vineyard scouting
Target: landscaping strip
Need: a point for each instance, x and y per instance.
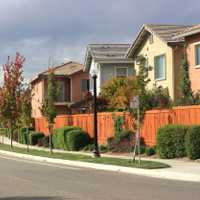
(84, 158)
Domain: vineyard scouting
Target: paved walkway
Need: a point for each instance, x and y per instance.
(180, 169)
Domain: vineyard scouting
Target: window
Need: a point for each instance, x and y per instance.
(121, 72)
(85, 85)
(197, 54)
(61, 97)
(160, 67)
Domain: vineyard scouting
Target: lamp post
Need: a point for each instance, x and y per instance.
(96, 148)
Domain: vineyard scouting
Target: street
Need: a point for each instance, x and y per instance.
(21, 179)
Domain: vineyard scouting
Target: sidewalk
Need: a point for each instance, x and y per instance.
(180, 169)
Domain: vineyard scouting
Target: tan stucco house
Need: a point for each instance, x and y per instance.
(73, 83)
(163, 55)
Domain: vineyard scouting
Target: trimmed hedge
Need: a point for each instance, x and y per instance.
(59, 137)
(150, 151)
(77, 140)
(171, 141)
(192, 142)
(34, 137)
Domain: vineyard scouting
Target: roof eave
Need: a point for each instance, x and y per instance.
(186, 34)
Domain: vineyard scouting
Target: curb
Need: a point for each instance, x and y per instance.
(154, 173)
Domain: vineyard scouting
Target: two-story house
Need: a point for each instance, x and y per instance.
(108, 61)
(192, 42)
(73, 83)
(163, 55)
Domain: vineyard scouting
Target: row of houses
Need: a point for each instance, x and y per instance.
(163, 47)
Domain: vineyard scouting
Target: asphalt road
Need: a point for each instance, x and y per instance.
(20, 179)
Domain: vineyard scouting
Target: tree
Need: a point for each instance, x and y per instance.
(141, 86)
(186, 94)
(48, 106)
(11, 92)
(118, 92)
(26, 110)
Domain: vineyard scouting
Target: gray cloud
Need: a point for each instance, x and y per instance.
(62, 28)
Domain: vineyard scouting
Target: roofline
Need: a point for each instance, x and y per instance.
(189, 33)
(147, 28)
(56, 67)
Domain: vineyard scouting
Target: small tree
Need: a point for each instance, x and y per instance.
(118, 92)
(26, 110)
(10, 106)
(48, 107)
(186, 94)
(141, 84)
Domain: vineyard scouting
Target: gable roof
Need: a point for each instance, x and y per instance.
(106, 53)
(189, 31)
(65, 69)
(164, 32)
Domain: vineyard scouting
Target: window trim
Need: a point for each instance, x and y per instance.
(121, 68)
(195, 55)
(165, 76)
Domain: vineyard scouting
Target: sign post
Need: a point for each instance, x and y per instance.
(135, 104)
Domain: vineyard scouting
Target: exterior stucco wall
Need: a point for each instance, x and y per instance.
(37, 98)
(108, 71)
(149, 51)
(194, 71)
(76, 81)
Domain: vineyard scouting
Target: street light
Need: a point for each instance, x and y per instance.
(96, 148)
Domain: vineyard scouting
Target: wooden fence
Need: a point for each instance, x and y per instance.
(154, 119)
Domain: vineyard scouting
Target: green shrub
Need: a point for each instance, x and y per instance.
(149, 151)
(23, 135)
(126, 135)
(142, 149)
(171, 141)
(59, 138)
(192, 142)
(34, 137)
(77, 140)
(103, 148)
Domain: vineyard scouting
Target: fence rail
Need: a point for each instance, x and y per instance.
(154, 119)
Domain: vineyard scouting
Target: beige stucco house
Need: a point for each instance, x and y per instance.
(163, 55)
(73, 81)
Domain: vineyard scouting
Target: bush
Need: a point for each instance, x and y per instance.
(34, 137)
(192, 142)
(150, 151)
(126, 135)
(23, 135)
(44, 141)
(77, 140)
(171, 141)
(59, 137)
(103, 148)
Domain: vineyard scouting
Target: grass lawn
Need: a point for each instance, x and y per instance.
(84, 158)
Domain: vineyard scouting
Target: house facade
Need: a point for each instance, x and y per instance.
(192, 41)
(163, 55)
(73, 83)
(107, 61)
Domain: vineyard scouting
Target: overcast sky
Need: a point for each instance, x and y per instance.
(62, 29)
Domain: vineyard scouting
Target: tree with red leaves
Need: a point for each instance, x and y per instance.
(10, 100)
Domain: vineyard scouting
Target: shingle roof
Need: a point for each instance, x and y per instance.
(188, 31)
(65, 69)
(106, 53)
(165, 32)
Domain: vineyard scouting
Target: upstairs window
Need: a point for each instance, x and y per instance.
(85, 85)
(61, 96)
(197, 54)
(121, 72)
(160, 67)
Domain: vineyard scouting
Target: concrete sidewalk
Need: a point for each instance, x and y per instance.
(180, 169)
